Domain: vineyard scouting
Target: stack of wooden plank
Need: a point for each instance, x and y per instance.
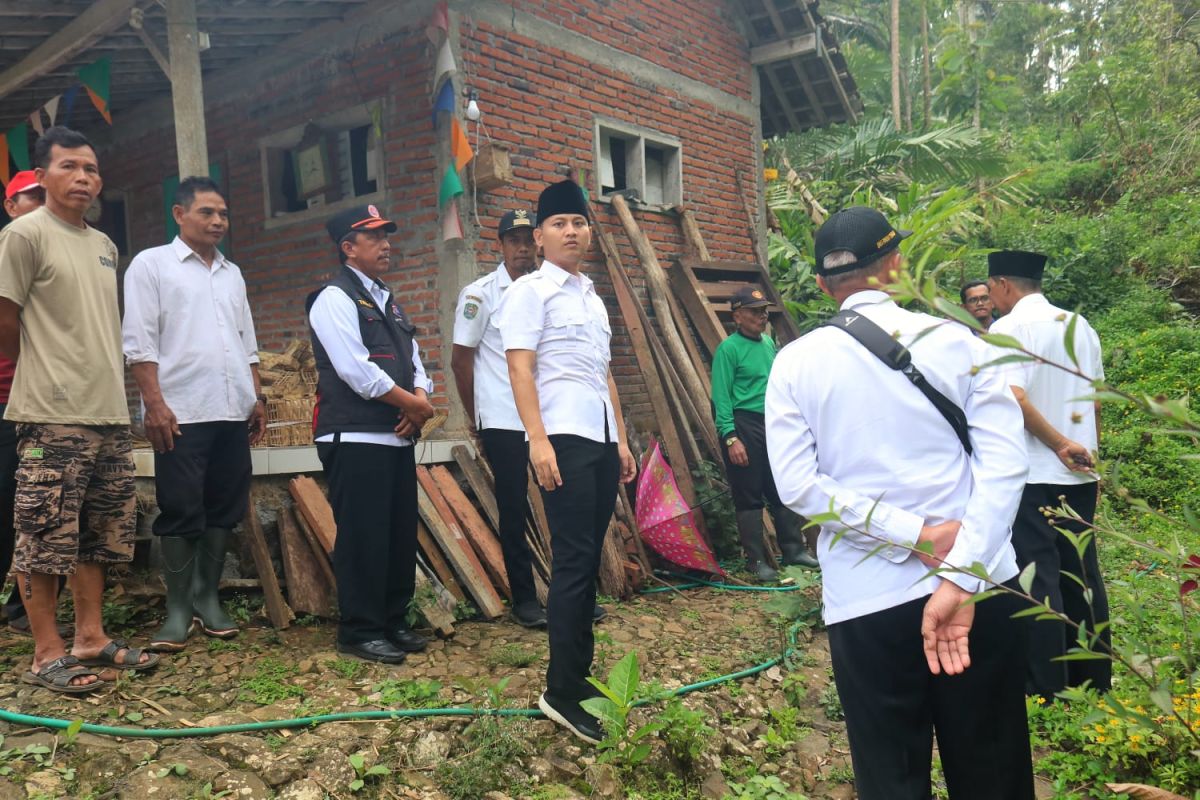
(289, 381)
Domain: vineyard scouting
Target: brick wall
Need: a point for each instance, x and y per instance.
(538, 100)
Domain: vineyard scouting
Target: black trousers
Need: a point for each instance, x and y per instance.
(204, 482)
(578, 512)
(894, 704)
(373, 491)
(1036, 540)
(752, 486)
(508, 454)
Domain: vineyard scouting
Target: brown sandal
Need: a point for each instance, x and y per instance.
(58, 674)
(131, 660)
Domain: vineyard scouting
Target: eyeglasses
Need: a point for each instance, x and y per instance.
(978, 301)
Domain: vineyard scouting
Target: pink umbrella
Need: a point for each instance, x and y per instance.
(664, 520)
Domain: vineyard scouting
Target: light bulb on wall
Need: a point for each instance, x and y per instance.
(473, 112)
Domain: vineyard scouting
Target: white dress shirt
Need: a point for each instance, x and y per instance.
(1041, 328)
(474, 326)
(561, 318)
(194, 322)
(846, 433)
(334, 319)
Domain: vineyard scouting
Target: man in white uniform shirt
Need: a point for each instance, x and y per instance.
(372, 399)
(556, 336)
(846, 432)
(481, 376)
(189, 340)
(1062, 432)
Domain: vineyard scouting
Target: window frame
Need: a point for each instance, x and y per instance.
(344, 120)
(637, 138)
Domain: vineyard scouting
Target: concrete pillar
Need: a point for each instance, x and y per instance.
(187, 88)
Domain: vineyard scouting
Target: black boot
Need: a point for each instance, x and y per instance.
(206, 601)
(750, 530)
(791, 539)
(179, 564)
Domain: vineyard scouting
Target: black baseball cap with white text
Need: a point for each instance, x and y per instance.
(862, 231)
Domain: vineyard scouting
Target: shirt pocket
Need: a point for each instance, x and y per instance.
(565, 332)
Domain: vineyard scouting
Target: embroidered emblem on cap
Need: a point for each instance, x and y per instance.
(756, 294)
(373, 211)
(890, 235)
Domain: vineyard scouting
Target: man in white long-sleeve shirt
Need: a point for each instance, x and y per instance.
(189, 341)
(849, 434)
(372, 400)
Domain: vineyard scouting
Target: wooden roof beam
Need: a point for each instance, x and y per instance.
(98, 20)
(783, 49)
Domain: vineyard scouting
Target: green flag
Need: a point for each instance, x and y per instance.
(18, 146)
(95, 76)
(451, 186)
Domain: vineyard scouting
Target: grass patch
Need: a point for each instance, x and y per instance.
(271, 683)
(512, 655)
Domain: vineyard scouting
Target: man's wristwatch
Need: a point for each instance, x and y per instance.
(262, 398)
(729, 440)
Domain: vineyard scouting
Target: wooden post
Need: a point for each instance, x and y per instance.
(187, 88)
(691, 233)
(277, 610)
(656, 284)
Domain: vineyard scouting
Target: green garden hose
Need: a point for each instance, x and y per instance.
(403, 713)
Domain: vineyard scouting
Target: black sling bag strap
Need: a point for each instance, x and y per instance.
(885, 347)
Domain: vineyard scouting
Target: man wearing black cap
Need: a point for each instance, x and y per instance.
(848, 433)
(481, 375)
(556, 337)
(740, 369)
(371, 402)
(1062, 432)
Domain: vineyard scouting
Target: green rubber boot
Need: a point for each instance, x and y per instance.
(206, 601)
(179, 565)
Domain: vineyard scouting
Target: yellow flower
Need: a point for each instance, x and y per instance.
(1041, 701)
(1101, 739)
(1135, 737)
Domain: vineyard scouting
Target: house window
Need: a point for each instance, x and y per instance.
(647, 163)
(333, 161)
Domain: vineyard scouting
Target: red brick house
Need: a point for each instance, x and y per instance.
(671, 98)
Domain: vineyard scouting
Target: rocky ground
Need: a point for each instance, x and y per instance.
(776, 735)
(775, 731)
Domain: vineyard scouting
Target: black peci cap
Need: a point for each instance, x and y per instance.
(564, 197)
(1016, 264)
(512, 221)
(358, 218)
(748, 297)
(861, 230)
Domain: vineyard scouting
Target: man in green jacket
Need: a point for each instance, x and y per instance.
(740, 370)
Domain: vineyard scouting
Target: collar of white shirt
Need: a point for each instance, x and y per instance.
(503, 279)
(183, 252)
(375, 288)
(1028, 303)
(561, 276)
(866, 297)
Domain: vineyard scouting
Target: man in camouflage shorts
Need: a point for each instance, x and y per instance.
(74, 508)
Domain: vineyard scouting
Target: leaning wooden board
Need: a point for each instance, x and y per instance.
(315, 508)
(308, 590)
(437, 563)
(437, 515)
(438, 618)
(487, 546)
(277, 610)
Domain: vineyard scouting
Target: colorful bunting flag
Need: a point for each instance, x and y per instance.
(445, 100)
(445, 63)
(96, 79)
(35, 119)
(460, 146)
(69, 104)
(18, 146)
(451, 186)
(52, 107)
(5, 175)
(451, 225)
(439, 23)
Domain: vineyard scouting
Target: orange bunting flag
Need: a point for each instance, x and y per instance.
(100, 105)
(451, 225)
(460, 146)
